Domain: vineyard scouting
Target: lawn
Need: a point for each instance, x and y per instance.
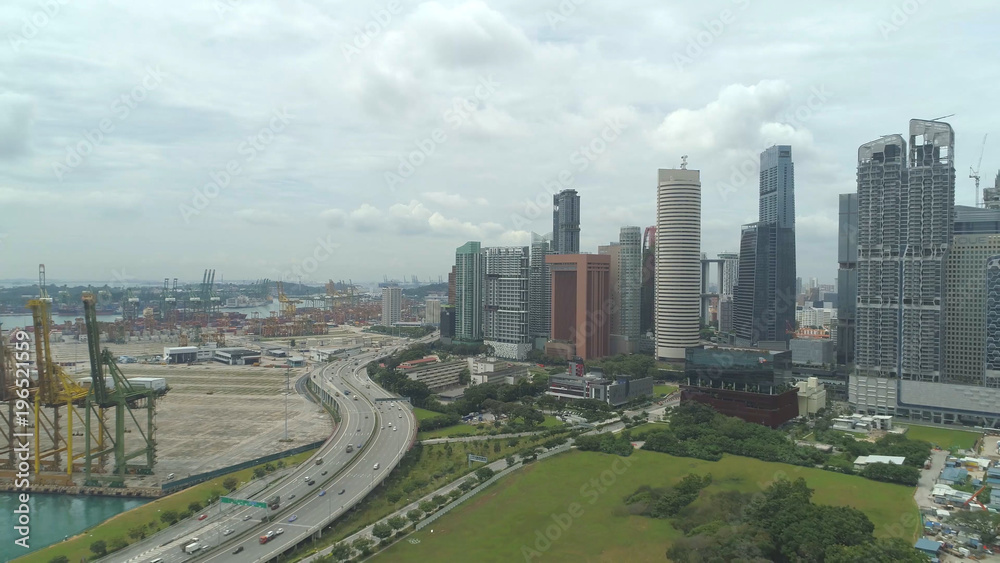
(639, 432)
(78, 547)
(664, 389)
(498, 524)
(424, 414)
(462, 429)
(945, 438)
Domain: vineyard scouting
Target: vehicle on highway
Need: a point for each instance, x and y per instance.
(274, 503)
(203, 516)
(376, 466)
(324, 473)
(350, 448)
(247, 517)
(390, 424)
(341, 491)
(322, 493)
(394, 429)
(355, 397)
(319, 461)
(192, 547)
(291, 497)
(311, 482)
(293, 518)
(169, 477)
(306, 478)
(279, 531)
(227, 531)
(267, 537)
(238, 550)
(184, 545)
(401, 416)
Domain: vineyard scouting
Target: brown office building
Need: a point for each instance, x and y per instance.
(581, 302)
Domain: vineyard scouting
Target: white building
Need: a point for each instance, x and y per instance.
(809, 316)
(392, 304)
(677, 300)
(864, 460)
(432, 311)
(812, 396)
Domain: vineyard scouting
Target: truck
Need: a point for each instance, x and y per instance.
(274, 503)
(192, 547)
(267, 537)
(185, 544)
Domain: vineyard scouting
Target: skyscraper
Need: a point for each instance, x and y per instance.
(392, 303)
(566, 222)
(613, 307)
(678, 261)
(905, 229)
(630, 283)
(777, 187)
(971, 278)
(730, 268)
(765, 288)
(469, 292)
(539, 291)
(763, 301)
(581, 285)
(505, 301)
(847, 278)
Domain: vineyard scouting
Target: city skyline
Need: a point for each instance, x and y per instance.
(319, 167)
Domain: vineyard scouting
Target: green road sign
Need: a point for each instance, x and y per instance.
(243, 502)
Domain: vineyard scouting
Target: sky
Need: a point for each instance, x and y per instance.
(310, 140)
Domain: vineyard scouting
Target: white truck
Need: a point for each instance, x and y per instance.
(192, 547)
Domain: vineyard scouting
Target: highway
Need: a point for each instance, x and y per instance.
(380, 433)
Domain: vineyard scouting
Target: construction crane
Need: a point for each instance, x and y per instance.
(109, 390)
(973, 497)
(974, 172)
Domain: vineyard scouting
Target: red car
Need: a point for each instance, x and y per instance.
(203, 516)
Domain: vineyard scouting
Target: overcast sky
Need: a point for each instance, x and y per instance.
(116, 117)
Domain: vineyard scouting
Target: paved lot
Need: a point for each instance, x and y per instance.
(927, 480)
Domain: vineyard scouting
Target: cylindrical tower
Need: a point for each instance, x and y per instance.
(678, 264)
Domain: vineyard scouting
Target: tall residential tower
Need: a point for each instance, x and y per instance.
(678, 262)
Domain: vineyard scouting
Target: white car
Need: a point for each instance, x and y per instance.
(227, 531)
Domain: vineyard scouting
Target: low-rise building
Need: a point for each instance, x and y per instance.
(863, 423)
(180, 354)
(812, 396)
(490, 371)
(864, 460)
(953, 476)
(595, 386)
(236, 356)
(436, 375)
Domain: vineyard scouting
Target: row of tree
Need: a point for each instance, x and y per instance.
(781, 524)
(667, 503)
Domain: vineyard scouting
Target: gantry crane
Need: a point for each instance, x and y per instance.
(55, 390)
(287, 305)
(110, 390)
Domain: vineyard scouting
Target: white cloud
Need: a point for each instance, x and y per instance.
(262, 217)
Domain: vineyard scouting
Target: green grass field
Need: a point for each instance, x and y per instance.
(496, 525)
(664, 389)
(462, 429)
(78, 547)
(424, 414)
(945, 438)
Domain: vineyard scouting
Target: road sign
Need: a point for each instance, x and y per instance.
(479, 458)
(243, 502)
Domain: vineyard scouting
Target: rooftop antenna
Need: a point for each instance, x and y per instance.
(943, 117)
(684, 162)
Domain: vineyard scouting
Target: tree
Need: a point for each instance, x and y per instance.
(230, 483)
(168, 517)
(394, 496)
(883, 550)
(415, 515)
(364, 545)
(427, 506)
(397, 522)
(341, 551)
(510, 460)
(195, 506)
(983, 523)
(137, 533)
(464, 376)
(484, 474)
(116, 544)
(99, 547)
(382, 530)
(59, 559)
(439, 500)
(258, 472)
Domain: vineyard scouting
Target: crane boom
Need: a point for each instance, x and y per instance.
(974, 172)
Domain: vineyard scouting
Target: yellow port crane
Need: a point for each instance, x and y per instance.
(287, 305)
(55, 389)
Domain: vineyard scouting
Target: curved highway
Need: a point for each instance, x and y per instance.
(380, 433)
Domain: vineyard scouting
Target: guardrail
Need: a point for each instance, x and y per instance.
(202, 477)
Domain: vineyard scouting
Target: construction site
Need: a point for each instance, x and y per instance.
(107, 412)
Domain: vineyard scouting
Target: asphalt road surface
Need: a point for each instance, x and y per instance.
(382, 431)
